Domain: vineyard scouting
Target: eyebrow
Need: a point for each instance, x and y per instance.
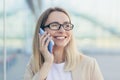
(66, 22)
(59, 23)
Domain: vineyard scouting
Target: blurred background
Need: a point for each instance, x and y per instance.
(97, 32)
(1, 40)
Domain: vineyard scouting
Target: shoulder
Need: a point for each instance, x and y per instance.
(85, 64)
(87, 58)
(84, 60)
(88, 68)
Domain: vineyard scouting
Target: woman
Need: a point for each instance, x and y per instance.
(65, 62)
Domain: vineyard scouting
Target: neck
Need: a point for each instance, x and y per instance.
(59, 55)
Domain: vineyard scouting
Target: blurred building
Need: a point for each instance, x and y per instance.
(97, 28)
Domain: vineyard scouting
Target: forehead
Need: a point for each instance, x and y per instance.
(57, 16)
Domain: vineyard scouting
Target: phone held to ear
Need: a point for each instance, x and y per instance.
(51, 43)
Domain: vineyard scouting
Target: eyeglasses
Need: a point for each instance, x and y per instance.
(57, 26)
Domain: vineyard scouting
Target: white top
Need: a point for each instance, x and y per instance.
(57, 73)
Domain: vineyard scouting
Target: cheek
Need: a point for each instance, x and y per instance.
(49, 31)
(69, 38)
(69, 35)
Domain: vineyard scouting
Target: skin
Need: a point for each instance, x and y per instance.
(60, 37)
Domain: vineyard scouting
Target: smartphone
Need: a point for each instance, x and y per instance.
(51, 43)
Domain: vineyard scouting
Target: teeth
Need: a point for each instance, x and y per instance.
(60, 37)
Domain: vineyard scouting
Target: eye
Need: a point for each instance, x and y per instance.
(67, 25)
(54, 26)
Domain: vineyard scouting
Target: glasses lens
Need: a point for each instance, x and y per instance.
(68, 26)
(54, 26)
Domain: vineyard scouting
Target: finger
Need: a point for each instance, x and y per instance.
(41, 38)
(45, 39)
(48, 40)
(39, 34)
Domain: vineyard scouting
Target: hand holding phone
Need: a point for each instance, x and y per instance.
(51, 43)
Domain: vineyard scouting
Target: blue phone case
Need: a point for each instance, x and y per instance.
(51, 43)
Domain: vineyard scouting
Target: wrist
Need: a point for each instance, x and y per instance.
(49, 58)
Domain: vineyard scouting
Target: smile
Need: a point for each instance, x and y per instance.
(60, 37)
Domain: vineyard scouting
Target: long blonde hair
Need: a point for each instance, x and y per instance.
(70, 50)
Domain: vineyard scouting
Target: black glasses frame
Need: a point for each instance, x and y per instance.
(59, 26)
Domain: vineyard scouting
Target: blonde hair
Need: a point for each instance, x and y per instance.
(70, 50)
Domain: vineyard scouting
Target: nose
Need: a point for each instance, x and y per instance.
(61, 29)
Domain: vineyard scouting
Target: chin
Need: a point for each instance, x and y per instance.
(60, 44)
